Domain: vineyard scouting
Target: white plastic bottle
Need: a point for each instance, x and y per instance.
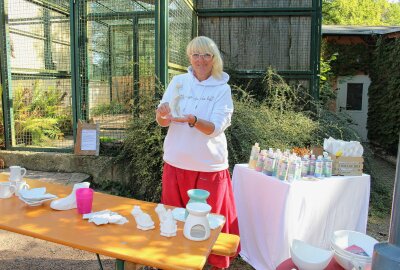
(328, 167)
(269, 163)
(255, 149)
(278, 159)
(293, 168)
(260, 160)
(305, 166)
(318, 167)
(324, 159)
(311, 167)
(283, 168)
(298, 169)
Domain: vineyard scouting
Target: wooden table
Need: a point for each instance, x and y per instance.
(123, 242)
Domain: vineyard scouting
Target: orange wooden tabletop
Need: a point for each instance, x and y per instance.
(124, 242)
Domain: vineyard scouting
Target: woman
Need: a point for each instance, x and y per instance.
(197, 108)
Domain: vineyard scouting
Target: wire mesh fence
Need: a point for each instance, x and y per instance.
(40, 99)
(96, 59)
(253, 3)
(120, 55)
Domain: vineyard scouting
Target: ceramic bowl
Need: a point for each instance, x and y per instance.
(344, 238)
(351, 262)
(308, 257)
(198, 195)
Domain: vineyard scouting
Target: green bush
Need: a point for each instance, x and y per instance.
(255, 121)
(39, 115)
(384, 96)
(142, 151)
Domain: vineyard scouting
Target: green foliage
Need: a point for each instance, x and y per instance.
(335, 125)
(326, 91)
(113, 107)
(39, 115)
(254, 121)
(360, 12)
(142, 151)
(347, 59)
(384, 96)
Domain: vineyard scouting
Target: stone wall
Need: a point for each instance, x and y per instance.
(100, 168)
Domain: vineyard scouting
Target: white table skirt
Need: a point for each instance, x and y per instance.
(272, 213)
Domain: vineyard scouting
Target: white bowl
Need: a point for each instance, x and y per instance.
(307, 257)
(345, 238)
(351, 262)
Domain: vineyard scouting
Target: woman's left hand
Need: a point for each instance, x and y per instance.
(187, 118)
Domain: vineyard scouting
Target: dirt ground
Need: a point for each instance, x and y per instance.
(22, 252)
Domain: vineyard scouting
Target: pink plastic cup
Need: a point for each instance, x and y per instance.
(84, 200)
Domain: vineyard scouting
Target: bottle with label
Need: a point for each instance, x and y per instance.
(255, 149)
(298, 169)
(328, 167)
(305, 164)
(293, 168)
(318, 167)
(283, 168)
(278, 159)
(260, 160)
(311, 167)
(324, 159)
(269, 164)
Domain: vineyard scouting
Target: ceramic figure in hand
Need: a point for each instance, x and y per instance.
(197, 195)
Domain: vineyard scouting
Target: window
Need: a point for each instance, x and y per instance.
(354, 96)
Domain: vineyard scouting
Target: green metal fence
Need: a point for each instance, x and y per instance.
(65, 60)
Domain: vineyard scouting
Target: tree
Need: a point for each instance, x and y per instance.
(360, 12)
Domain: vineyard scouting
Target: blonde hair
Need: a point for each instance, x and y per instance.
(202, 44)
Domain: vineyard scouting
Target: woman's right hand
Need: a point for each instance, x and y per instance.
(164, 111)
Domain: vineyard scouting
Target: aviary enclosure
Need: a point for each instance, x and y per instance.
(69, 60)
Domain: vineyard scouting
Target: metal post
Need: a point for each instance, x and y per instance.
(387, 254)
(75, 79)
(162, 41)
(5, 78)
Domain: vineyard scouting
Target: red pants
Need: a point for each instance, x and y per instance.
(175, 184)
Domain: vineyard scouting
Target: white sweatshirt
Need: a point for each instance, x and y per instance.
(186, 147)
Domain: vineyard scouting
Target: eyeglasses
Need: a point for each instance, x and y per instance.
(205, 56)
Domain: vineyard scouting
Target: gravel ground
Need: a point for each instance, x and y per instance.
(22, 252)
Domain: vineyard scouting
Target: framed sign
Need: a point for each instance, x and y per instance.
(87, 139)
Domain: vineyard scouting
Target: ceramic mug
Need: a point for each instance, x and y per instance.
(17, 173)
(20, 185)
(6, 190)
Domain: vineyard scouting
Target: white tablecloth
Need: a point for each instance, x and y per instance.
(272, 213)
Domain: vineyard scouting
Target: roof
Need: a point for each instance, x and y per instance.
(354, 30)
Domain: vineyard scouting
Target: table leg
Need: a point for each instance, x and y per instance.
(122, 265)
